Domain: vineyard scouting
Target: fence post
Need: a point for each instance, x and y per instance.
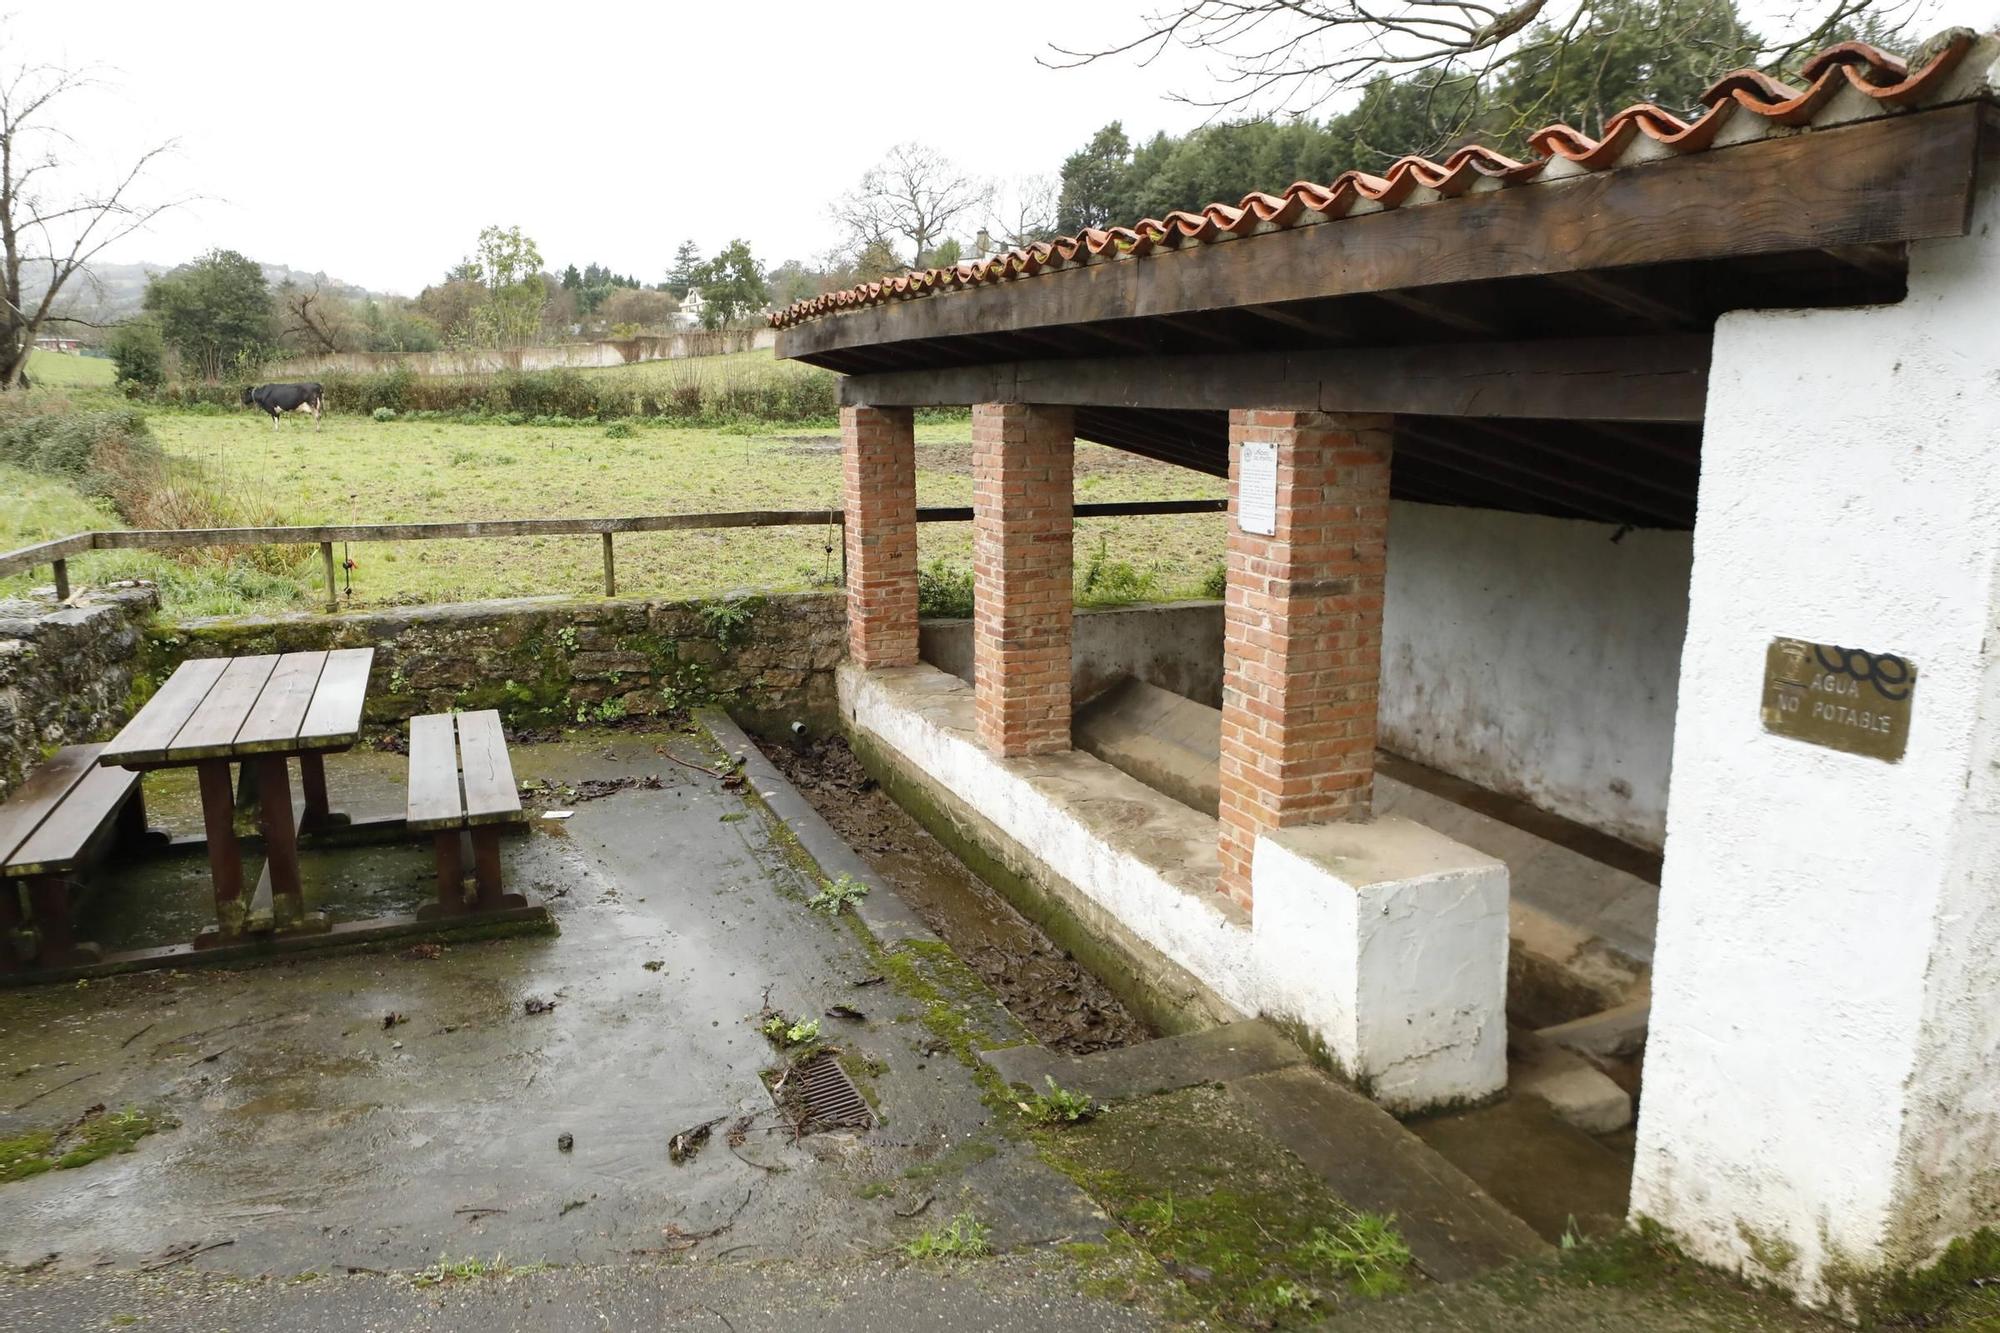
(610, 569)
(332, 589)
(62, 579)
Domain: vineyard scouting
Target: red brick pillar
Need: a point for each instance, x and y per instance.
(1023, 465)
(879, 469)
(1302, 644)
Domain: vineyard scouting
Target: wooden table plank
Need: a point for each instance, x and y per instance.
(434, 799)
(490, 794)
(274, 721)
(211, 732)
(146, 737)
(43, 790)
(334, 719)
(59, 844)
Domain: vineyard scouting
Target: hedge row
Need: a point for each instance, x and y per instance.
(779, 394)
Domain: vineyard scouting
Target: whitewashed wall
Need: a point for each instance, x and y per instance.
(1538, 657)
(1822, 1093)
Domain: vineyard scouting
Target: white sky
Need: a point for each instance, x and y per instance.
(372, 140)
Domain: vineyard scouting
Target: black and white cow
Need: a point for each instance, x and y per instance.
(278, 399)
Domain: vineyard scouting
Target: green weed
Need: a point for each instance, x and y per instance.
(964, 1237)
(835, 895)
(1059, 1106)
(1367, 1250)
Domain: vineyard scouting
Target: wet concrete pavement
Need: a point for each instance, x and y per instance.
(313, 1138)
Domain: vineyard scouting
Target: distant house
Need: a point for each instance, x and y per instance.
(689, 316)
(70, 345)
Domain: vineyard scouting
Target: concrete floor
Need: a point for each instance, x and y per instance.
(313, 1138)
(320, 1157)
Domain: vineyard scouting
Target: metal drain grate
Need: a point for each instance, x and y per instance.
(828, 1096)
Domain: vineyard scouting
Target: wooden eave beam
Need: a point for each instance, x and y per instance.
(1876, 182)
(1662, 378)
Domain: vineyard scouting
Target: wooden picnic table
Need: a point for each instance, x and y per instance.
(260, 713)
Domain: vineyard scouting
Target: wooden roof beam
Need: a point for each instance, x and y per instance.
(1660, 378)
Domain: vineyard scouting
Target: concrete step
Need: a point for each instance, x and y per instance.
(1215, 1055)
(1370, 1160)
(1577, 1091)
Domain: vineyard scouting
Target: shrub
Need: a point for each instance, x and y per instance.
(944, 591)
(384, 414)
(1108, 582)
(1215, 583)
(106, 452)
(619, 430)
(138, 352)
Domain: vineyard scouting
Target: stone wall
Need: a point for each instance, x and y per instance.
(66, 672)
(545, 661)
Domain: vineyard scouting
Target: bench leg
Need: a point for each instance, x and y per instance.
(55, 933)
(486, 870)
(225, 855)
(11, 923)
(450, 876)
(132, 830)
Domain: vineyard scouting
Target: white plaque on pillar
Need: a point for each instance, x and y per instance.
(1257, 489)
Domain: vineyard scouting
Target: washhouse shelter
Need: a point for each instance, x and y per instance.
(1654, 477)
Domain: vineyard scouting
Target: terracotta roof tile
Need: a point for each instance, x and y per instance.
(1636, 133)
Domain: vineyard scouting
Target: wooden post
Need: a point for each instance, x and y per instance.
(610, 569)
(332, 589)
(62, 580)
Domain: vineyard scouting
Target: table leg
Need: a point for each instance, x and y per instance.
(225, 856)
(312, 779)
(55, 932)
(281, 839)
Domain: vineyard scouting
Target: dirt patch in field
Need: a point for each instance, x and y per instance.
(1055, 997)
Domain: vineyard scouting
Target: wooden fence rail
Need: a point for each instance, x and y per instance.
(56, 553)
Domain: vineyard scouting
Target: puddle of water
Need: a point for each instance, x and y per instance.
(166, 899)
(1056, 998)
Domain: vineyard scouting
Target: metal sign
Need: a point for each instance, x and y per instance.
(1842, 698)
(1257, 489)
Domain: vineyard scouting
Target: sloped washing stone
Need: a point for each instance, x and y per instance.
(1214, 1055)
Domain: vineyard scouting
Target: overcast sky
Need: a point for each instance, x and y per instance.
(372, 141)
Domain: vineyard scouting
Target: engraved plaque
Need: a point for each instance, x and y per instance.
(1257, 489)
(1842, 698)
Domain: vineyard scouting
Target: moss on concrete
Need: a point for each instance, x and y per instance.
(1246, 1232)
(91, 1136)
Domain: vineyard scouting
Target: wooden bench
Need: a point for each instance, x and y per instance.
(53, 826)
(462, 786)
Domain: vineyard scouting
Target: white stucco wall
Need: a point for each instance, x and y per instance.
(1822, 1094)
(1537, 657)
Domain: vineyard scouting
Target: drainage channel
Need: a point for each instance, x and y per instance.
(1056, 998)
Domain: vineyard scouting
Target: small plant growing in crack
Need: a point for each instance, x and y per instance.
(964, 1237)
(1059, 1106)
(836, 895)
(789, 1034)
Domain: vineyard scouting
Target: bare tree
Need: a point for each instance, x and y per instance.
(308, 319)
(1291, 56)
(1022, 211)
(51, 229)
(912, 194)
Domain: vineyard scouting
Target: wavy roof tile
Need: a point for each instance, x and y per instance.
(1881, 82)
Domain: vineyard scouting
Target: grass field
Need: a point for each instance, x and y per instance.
(360, 470)
(59, 370)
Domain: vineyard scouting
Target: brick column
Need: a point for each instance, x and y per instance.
(879, 469)
(1023, 464)
(1302, 644)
